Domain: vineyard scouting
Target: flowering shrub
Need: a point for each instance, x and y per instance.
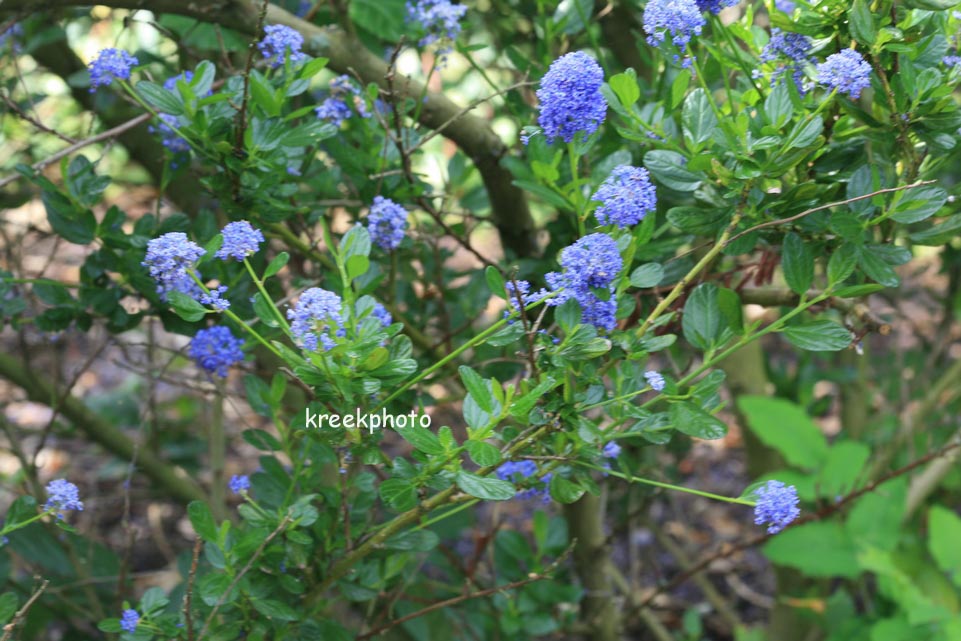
(493, 379)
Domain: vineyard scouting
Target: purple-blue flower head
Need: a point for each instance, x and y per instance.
(626, 196)
(344, 92)
(169, 138)
(439, 20)
(787, 6)
(380, 313)
(516, 470)
(846, 71)
(239, 483)
(611, 449)
(386, 222)
(570, 97)
(216, 349)
(129, 620)
(794, 48)
(170, 84)
(110, 64)
(681, 19)
(62, 495)
(281, 43)
(951, 61)
(241, 239)
(169, 257)
(316, 313)
(12, 35)
(592, 261)
(655, 380)
(715, 6)
(777, 506)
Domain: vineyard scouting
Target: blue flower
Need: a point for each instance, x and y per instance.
(239, 483)
(570, 97)
(129, 620)
(170, 84)
(655, 380)
(169, 260)
(12, 35)
(592, 263)
(110, 64)
(216, 349)
(62, 495)
(681, 19)
(611, 449)
(386, 223)
(787, 6)
(281, 43)
(715, 6)
(519, 471)
(440, 21)
(794, 48)
(846, 71)
(380, 313)
(626, 196)
(241, 239)
(951, 61)
(777, 506)
(316, 313)
(336, 107)
(169, 138)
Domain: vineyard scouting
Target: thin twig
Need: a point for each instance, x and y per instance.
(188, 594)
(15, 108)
(22, 612)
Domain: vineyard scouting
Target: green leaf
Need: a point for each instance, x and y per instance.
(624, 86)
(797, 261)
(477, 387)
(693, 421)
(483, 454)
(400, 494)
(944, 534)
(276, 264)
(805, 132)
(938, 234)
(275, 610)
(565, 491)
(8, 606)
(856, 291)
(861, 23)
(381, 18)
(422, 439)
(877, 269)
(819, 336)
(23, 508)
(495, 282)
(357, 266)
(815, 549)
(842, 263)
(262, 440)
(875, 519)
(573, 15)
(702, 317)
(784, 426)
(919, 204)
(412, 541)
(186, 307)
(485, 488)
(203, 521)
(158, 97)
(842, 468)
(778, 106)
(264, 312)
(74, 224)
(698, 118)
(645, 276)
(668, 168)
(356, 242)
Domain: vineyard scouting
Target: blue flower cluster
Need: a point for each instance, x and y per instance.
(593, 262)
(570, 97)
(380, 313)
(241, 239)
(386, 222)
(777, 506)
(62, 495)
(281, 43)
(847, 71)
(316, 313)
(336, 107)
(655, 380)
(239, 483)
(129, 620)
(169, 138)
(611, 449)
(110, 64)
(216, 349)
(170, 259)
(12, 35)
(626, 196)
(681, 19)
(787, 6)
(440, 21)
(518, 472)
(715, 6)
(951, 61)
(787, 49)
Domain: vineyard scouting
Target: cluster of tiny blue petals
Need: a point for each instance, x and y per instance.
(170, 84)
(655, 380)
(239, 483)
(110, 64)
(168, 259)
(380, 313)
(316, 313)
(129, 620)
(951, 61)
(715, 6)
(846, 71)
(386, 223)
(518, 471)
(216, 349)
(281, 43)
(611, 449)
(336, 107)
(169, 138)
(241, 239)
(777, 506)
(681, 19)
(440, 21)
(570, 97)
(592, 262)
(794, 48)
(626, 196)
(62, 495)
(787, 6)
(12, 35)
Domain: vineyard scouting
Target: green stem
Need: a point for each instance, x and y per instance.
(576, 190)
(282, 322)
(666, 486)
